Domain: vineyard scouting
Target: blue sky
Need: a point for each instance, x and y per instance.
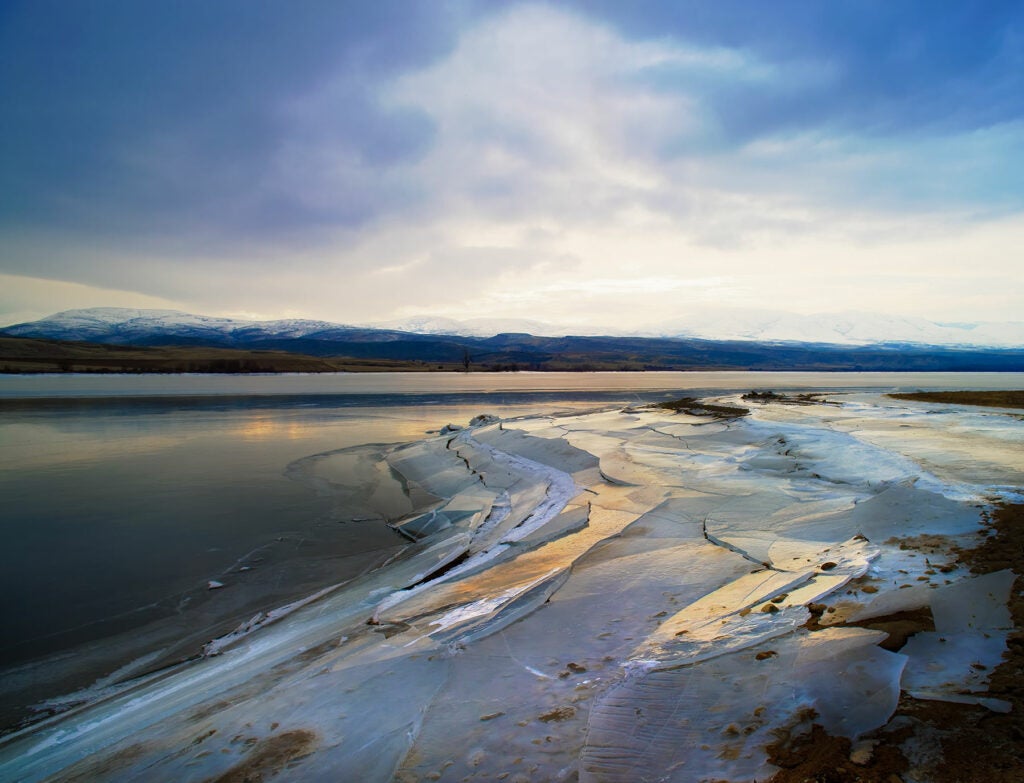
(580, 162)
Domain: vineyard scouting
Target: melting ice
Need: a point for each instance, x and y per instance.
(616, 596)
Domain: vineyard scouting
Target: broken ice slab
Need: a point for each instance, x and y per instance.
(978, 603)
(972, 621)
(850, 557)
(467, 510)
(738, 595)
(423, 525)
(753, 607)
(971, 603)
(817, 588)
(555, 453)
(431, 465)
(720, 636)
(476, 501)
(571, 520)
(880, 604)
(485, 616)
(527, 501)
(952, 664)
(856, 683)
(517, 496)
(483, 461)
(677, 517)
(507, 578)
(756, 517)
(837, 457)
(905, 510)
(712, 720)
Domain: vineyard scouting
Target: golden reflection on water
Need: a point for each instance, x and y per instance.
(40, 442)
(266, 426)
(37, 446)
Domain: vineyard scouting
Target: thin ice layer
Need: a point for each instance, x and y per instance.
(638, 598)
(972, 621)
(712, 720)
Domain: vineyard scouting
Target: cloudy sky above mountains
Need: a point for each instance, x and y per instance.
(581, 162)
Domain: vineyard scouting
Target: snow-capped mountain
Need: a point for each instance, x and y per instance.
(847, 328)
(125, 326)
(487, 327)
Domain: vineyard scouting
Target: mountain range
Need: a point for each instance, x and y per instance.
(752, 341)
(123, 325)
(706, 323)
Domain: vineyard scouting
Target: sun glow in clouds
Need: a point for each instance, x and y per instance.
(544, 160)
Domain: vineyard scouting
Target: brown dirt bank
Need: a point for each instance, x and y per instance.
(991, 399)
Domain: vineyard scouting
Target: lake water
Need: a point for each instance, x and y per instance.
(121, 497)
(497, 385)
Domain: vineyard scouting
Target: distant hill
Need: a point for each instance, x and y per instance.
(356, 346)
(765, 326)
(121, 325)
(25, 355)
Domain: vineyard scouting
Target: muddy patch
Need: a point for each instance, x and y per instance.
(269, 757)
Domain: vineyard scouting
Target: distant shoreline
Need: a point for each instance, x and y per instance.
(502, 353)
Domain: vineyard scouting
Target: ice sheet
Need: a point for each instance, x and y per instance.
(971, 625)
(615, 596)
(712, 720)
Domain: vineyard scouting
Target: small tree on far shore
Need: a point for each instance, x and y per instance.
(466, 358)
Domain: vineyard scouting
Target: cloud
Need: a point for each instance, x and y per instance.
(598, 161)
(890, 67)
(132, 120)
(25, 299)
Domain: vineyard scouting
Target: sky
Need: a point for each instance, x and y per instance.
(575, 162)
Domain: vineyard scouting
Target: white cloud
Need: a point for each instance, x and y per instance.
(579, 176)
(29, 298)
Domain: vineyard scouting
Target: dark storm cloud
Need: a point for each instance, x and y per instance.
(893, 67)
(170, 118)
(129, 116)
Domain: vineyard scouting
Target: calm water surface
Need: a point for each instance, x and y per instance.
(432, 384)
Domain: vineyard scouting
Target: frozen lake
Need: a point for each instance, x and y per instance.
(126, 496)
